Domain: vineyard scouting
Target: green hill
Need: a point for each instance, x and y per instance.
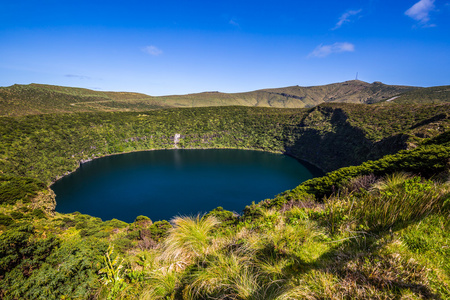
(437, 94)
(353, 91)
(37, 98)
(19, 100)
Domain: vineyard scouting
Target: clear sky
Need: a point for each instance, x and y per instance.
(178, 47)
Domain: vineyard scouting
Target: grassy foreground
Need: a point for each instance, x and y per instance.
(376, 237)
(378, 230)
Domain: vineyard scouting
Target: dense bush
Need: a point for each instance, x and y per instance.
(48, 268)
(13, 189)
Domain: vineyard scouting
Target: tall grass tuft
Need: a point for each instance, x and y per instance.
(232, 276)
(188, 239)
(162, 284)
(400, 198)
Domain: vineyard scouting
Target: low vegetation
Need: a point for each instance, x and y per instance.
(376, 226)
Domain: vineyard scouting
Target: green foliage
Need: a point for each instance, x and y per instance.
(13, 189)
(38, 213)
(159, 229)
(48, 268)
(400, 200)
(5, 220)
(67, 222)
(113, 274)
(48, 146)
(114, 223)
(253, 211)
(296, 215)
(226, 217)
(142, 219)
(374, 239)
(425, 160)
(17, 215)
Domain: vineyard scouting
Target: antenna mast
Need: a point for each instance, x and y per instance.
(356, 76)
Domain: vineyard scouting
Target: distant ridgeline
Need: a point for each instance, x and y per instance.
(38, 98)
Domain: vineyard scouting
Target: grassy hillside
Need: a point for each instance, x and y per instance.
(36, 98)
(437, 94)
(19, 100)
(376, 229)
(353, 91)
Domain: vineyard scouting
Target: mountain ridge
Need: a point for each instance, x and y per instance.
(34, 98)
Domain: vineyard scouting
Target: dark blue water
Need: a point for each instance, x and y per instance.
(165, 183)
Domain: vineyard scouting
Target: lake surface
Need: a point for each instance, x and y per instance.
(162, 184)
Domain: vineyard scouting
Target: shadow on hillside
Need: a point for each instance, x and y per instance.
(330, 142)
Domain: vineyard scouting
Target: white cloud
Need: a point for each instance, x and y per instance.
(325, 50)
(152, 50)
(421, 10)
(234, 23)
(77, 76)
(345, 18)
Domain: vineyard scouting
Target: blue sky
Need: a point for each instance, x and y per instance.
(178, 47)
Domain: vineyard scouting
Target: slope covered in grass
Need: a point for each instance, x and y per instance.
(37, 98)
(32, 99)
(436, 94)
(353, 91)
(374, 229)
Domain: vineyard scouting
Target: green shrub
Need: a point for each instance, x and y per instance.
(425, 160)
(17, 215)
(115, 223)
(13, 189)
(142, 219)
(159, 230)
(5, 220)
(295, 215)
(39, 213)
(226, 217)
(67, 222)
(49, 268)
(253, 211)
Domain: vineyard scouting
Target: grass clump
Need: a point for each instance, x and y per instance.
(401, 198)
(189, 239)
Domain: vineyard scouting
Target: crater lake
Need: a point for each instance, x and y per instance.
(161, 184)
